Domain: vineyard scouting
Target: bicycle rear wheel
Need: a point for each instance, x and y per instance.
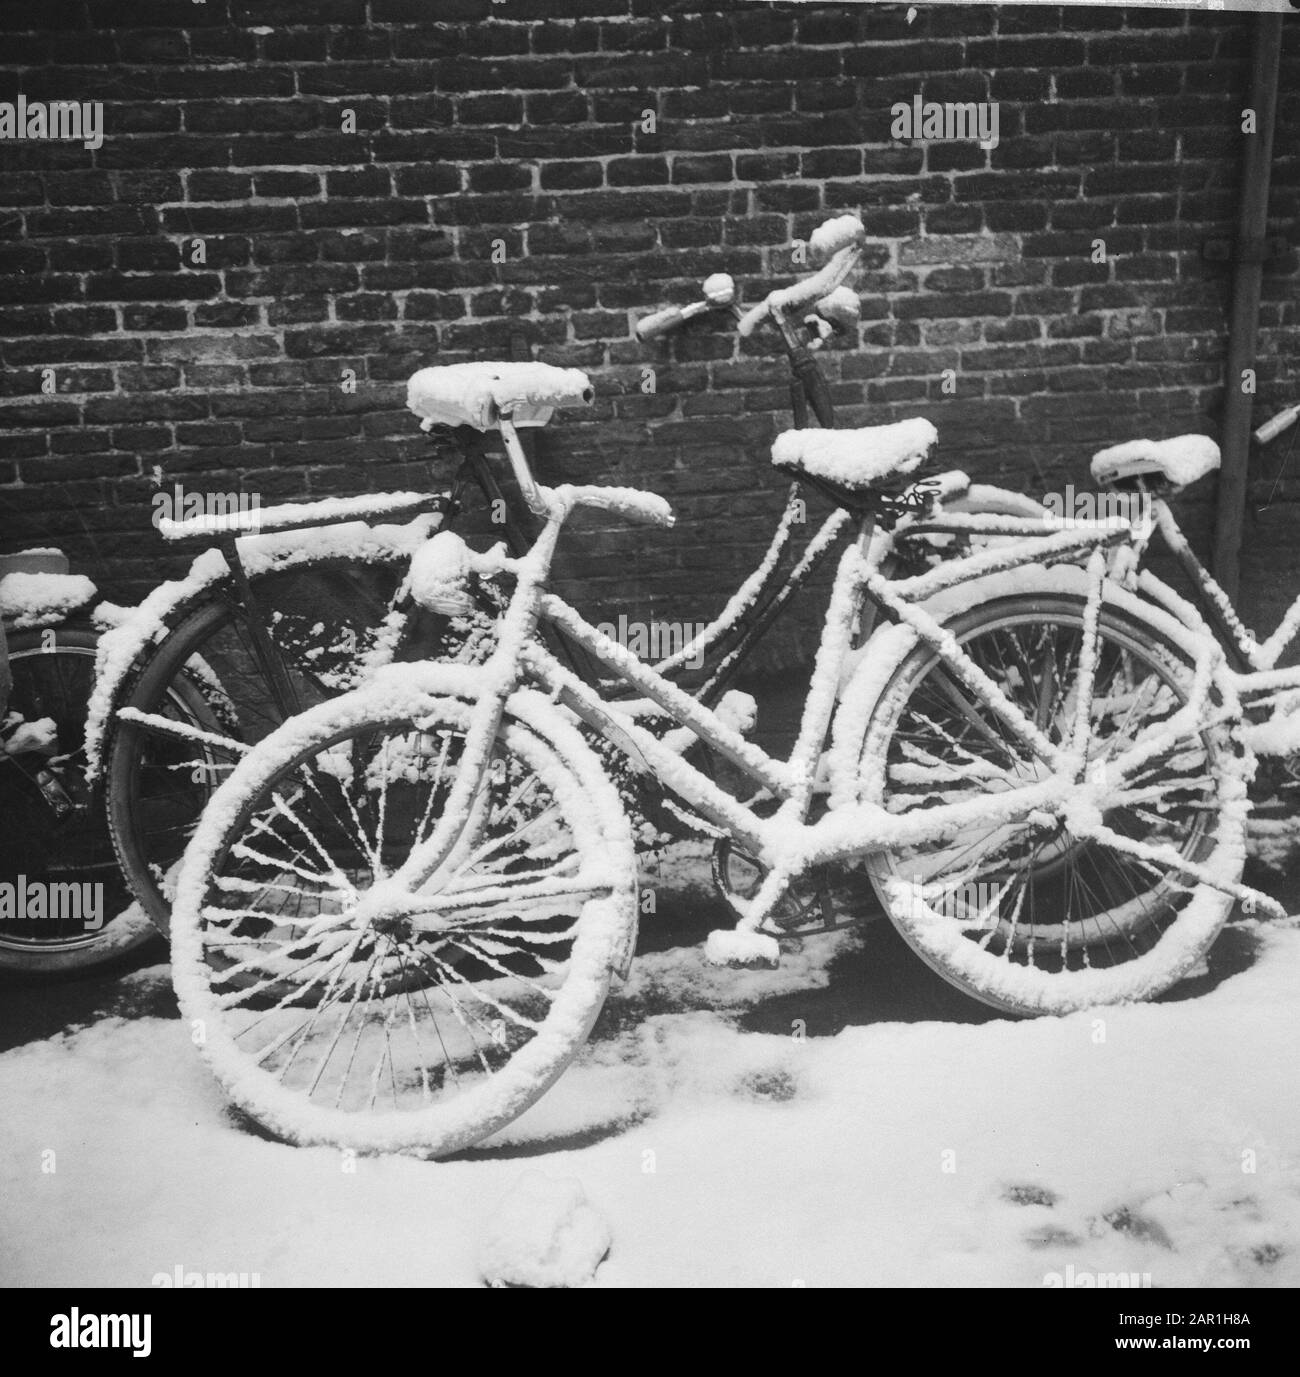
(202, 697)
(1037, 916)
(70, 908)
(401, 1033)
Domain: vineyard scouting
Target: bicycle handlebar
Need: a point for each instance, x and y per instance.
(820, 284)
(642, 508)
(834, 244)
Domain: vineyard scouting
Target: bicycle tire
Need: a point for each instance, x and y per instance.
(1142, 938)
(294, 795)
(52, 672)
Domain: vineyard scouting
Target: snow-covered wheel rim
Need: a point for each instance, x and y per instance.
(1033, 919)
(400, 1039)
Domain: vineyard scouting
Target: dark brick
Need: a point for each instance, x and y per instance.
(637, 171)
(294, 185)
(714, 168)
(182, 286)
(148, 319)
(500, 176)
(220, 186)
(571, 176)
(143, 255)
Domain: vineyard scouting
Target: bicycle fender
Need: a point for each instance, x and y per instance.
(124, 647)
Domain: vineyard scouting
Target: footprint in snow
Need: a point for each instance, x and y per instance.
(1023, 1194)
(775, 1084)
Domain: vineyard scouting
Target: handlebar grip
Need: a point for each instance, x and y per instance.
(829, 238)
(1271, 429)
(660, 323)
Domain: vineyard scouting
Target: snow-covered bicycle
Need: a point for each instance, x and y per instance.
(287, 606)
(399, 918)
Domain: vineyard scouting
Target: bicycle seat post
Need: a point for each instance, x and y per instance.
(528, 487)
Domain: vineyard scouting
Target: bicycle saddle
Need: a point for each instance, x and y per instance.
(479, 394)
(37, 590)
(1179, 461)
(855, 460)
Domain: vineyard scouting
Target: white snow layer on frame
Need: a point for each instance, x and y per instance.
(327, 509)
(855, 458)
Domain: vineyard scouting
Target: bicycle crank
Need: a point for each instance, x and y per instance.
(811, 903)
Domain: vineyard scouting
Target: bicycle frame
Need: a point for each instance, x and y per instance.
(1250, 663)
(787, 841)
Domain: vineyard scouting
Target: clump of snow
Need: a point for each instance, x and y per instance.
(1182, 459)
(29, 738)
(741, 947)
(477, 394)
(544, 1233)
(107, 615)
(41, 599)
(836, 234)
(856, 458)
(438, 573)
(842, 304)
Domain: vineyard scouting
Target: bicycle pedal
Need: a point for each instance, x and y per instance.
(741, 947)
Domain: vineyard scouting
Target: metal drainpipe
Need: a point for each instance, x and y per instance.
(1243, 329)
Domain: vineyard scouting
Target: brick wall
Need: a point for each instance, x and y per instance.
(520, 124)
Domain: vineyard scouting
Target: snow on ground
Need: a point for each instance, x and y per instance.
(924, 1153)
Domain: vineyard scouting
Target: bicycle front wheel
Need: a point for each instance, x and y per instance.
(426, 1031)
(1033, 916)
